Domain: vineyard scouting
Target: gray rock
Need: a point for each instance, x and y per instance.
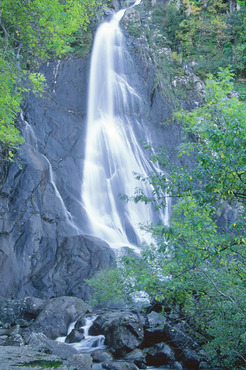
(20, 311)
(80, 322)
(15, 340)
(119, 365)
(179, 339)
(160, 354)
(81, 361)
(177, 365)
(191, 359)
(123, 331)
(153, 336)
(102, 356)
(43, 249)
(59, 312)
(75, 336)
(138, 357)
(39, 342)
(24, 358)
(156, 319)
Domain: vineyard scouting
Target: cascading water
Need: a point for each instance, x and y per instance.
(89, 343)
(113, 152)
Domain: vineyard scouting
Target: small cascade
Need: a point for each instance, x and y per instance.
(28, 134)
(113, 152)
(31, 140)
(89, 343)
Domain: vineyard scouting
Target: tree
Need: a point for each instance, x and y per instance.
(195, 263)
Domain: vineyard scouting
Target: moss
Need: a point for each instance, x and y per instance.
(42, 363)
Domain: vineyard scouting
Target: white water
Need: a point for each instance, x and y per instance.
(113, 152)
(90, 343)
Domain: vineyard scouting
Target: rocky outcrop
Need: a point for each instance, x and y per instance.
(43, 249)
(123, 331)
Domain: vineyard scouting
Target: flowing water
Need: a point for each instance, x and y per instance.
(89, 343)
(113, 152)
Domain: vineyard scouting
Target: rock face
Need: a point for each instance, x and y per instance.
(43, 249)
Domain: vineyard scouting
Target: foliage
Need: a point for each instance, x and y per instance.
(205, 31)
(31, 32)
(45, 27)
(196, 263)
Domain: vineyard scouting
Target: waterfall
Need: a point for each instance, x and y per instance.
(113, 152)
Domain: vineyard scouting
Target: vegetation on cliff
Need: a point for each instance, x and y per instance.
(211, 33)
(30, 33)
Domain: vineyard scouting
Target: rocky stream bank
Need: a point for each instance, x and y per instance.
(133, 340)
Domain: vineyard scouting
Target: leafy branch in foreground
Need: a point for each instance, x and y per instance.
(197, 263)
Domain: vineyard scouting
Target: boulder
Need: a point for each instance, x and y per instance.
(102, 356)
(154, 332)
(81, 361)
(39, 342)
(119, 365)
(160, 354)
(59, 312)
(155, 319)
(20, 311)
(123, 331)
(81, 321)
(75, 336)
(191, 359)
(25, 358)
(175, 335)
(138, 357)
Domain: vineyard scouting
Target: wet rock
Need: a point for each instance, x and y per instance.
(138, 357)
(154, 332)
(25, 358)
(75, 336)
(123, 331)
(102, 356)
(160, 354)
(80, 322)
(177, 365)
(178, 338)
(39, 342)
(59, 312)
(191, 359)
(119, 365)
